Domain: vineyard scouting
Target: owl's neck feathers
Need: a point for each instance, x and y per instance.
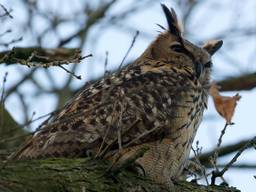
(155, 50)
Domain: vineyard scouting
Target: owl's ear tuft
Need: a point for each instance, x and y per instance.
(172, 21)
(212, 46)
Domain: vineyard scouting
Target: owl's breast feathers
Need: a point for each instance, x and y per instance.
(146, 101)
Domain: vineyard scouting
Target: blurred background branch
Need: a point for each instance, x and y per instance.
(51, 33)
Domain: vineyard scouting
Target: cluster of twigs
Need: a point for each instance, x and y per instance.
(6, 12)
(42, 57)
(216, 172)
(219, 173)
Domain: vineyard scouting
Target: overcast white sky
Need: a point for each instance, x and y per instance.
(209, 19)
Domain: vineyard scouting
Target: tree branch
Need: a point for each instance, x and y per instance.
(225, 150)
(238, 83)
(82, 175)
(40, 57)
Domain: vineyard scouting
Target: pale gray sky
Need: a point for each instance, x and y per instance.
(209, 19)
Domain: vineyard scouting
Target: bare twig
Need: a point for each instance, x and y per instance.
(26, 77)
(128, 51)
(3, 89)
(233, 160)
(84, 57)
(93, 18)
(2, 100)
(216, 174)
(6, 12)
(24, 106)
(11, 42)
(4, 33)
(219, 143)
(216, 153)
(238, 166)
(225, 150)
(71, 73)
(31, 119)
(49, 115)
(106, 64)
(197, 153)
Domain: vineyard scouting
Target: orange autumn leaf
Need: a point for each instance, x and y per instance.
(224, 105)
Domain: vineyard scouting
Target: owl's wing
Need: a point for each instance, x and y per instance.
(127, 108)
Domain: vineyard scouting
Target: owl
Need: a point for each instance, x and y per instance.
(157, 101)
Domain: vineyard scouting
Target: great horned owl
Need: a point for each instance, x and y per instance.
(157, 101)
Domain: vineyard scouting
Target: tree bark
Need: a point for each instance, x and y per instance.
(82, 175)
(40, 57)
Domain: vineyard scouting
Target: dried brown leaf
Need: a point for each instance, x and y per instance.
(224, 105)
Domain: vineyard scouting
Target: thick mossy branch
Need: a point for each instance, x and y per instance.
(81, 175)
(40, 57)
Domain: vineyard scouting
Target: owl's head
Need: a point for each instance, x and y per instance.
(171, 46)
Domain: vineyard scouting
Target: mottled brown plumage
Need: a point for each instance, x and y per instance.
(157, 101)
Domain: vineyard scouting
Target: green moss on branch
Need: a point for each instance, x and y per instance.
(80, 175)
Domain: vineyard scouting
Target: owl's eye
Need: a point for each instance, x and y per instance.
(208, 64)
(177, 48)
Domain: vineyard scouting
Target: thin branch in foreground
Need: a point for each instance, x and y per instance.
(197, 153)
(128, 51)
(77, 59)
(24, 106)
(223, 151)
(238, 166)
(216, 152)
(49, 115)
(86, 56)
(3, 90)
(233, 160)
(31, 119)
(216, 174)
(2, 100)
(24, 79)
(106, 64)
(71, 73)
